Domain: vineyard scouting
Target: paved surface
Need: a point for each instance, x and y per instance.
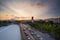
(10, 32)
(34, 34)
(26, 32)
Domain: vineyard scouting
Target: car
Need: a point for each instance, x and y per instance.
(41, 38)
(32, 33)
(38, 36)
(29, 38)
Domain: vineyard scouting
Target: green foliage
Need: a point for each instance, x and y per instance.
(53, 28)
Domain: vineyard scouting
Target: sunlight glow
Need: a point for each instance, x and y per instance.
(26, 10)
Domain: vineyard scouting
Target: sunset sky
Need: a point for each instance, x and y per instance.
(40, 9)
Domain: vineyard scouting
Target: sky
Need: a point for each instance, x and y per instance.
(40, 9)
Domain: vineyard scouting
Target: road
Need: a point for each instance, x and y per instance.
(22, 32)
(10, 32)
(33, 34)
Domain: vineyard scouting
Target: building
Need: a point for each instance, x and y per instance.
(32, 19)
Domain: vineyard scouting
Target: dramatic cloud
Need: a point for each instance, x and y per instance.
(38, 8)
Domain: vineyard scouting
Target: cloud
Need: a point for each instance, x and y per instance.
(52, 7)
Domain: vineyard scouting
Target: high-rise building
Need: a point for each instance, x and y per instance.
(32, 19)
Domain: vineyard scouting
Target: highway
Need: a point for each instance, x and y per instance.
(22, 32)
(33, 34)
(10, 32)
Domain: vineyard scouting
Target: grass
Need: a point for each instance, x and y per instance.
(50, 27)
